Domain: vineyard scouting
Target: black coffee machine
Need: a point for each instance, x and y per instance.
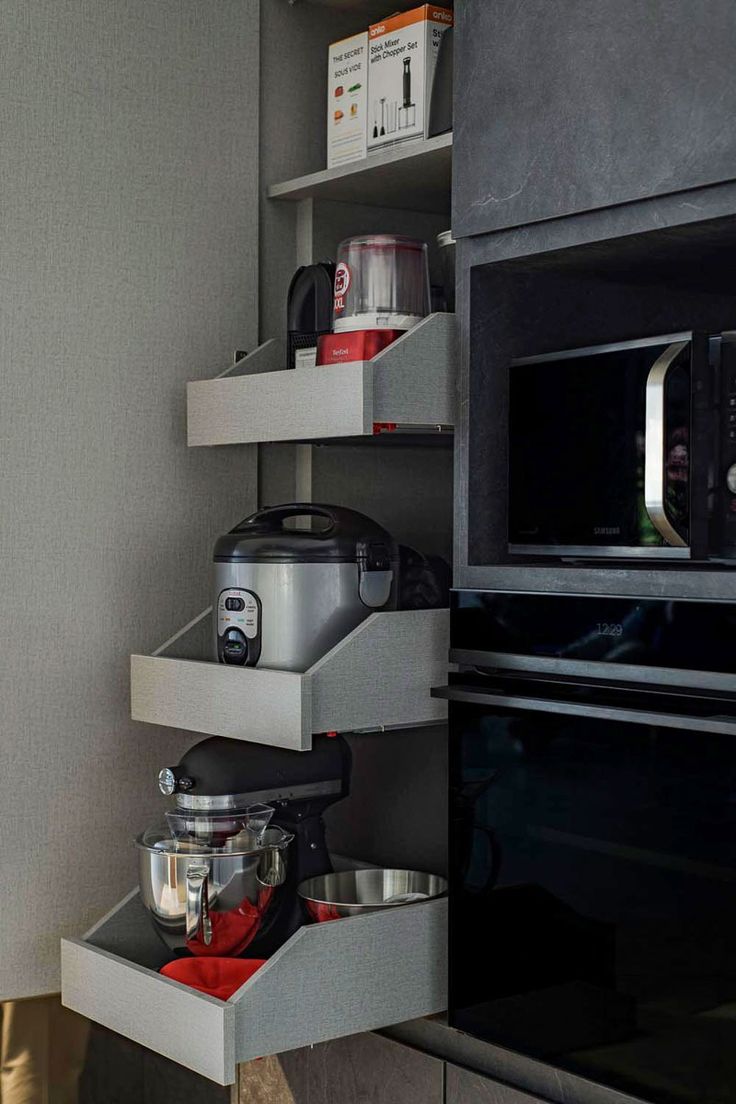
(219, 776)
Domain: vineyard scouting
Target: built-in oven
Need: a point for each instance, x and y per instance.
(625, 450)
(593, 837)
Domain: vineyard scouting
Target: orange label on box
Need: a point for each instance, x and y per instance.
(428, 12)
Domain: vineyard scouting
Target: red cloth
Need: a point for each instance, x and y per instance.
(233, 931)
(322, 912)
(218, 977)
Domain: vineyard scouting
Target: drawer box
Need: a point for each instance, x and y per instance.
(409, 386)
(379, 676)
(327, 981)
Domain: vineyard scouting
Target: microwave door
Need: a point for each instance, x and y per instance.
(666, 449)
(599, 451)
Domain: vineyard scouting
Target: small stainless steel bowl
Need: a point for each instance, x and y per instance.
(352, 892)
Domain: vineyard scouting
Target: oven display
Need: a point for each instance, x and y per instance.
(694, 636)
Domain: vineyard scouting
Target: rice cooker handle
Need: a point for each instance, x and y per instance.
(279, 514)
(375, 573)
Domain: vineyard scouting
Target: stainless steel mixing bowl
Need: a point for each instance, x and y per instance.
(210, 901)
(351, 892)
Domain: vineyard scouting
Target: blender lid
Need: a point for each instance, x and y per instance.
(336, 536)
(382, 241)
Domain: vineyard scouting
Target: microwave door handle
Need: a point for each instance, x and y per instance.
(655, 445)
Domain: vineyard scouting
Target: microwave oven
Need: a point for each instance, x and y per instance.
(625, 450)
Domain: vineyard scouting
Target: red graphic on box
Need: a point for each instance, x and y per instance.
(342, 283)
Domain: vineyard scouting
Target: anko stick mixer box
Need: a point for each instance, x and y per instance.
(402, 58)
(347, 98)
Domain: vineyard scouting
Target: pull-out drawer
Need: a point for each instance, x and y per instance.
(409, 387)
(328, 980)
(376, 677)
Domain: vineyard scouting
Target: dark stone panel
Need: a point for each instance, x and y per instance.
(165, 1082)
(564, 106)
(118, 1071)
(709, 205)
(365, 1068)
(505, 1067)
(113, 1072)
(464, 1087)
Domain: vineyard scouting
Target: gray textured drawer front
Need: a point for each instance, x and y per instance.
(410, 383)
(378, 676)
(464, 1087)
(568, 105)
(327, 981)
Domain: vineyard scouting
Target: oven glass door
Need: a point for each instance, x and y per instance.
(599, 451)
(593, 883)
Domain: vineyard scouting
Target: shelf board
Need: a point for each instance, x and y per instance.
(409, 386)
(326, 981)
(414, 175)
(377, 677)
(370, 8)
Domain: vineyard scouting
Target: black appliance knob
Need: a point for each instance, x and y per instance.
(235, 647)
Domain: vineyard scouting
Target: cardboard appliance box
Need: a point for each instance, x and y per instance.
(347, 100)
(402, 58)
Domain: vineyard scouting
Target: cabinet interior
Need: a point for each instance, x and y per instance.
(664, 281)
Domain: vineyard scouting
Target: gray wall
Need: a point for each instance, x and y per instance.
(128, 264)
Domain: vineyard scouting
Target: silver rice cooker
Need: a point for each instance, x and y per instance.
(285, 595)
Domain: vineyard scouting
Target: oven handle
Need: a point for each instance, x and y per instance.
(655, 445)
(493, 699)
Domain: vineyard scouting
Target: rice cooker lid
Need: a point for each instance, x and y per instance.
(338, 535)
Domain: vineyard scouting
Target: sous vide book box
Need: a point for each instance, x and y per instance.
(347, 98)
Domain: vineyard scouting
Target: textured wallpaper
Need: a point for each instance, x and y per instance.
(128, 264)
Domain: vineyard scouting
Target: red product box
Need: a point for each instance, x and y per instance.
(339, 348)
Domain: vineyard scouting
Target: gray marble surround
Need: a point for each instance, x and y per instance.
(564, 106)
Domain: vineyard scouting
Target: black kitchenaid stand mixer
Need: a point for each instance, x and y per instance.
(220, 775)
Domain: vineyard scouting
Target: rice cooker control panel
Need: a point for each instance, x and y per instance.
(238, 627)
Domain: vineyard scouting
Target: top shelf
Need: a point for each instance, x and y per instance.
(360, 7)
(415, 175)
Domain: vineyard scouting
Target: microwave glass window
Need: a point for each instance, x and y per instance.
(593, 898)
(577, 450)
